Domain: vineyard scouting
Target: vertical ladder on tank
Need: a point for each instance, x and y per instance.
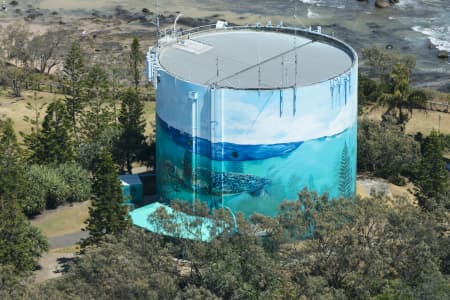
(285, 105)
(216, 163)
(193, 96)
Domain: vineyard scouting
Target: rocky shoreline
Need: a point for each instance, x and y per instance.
(112, 28)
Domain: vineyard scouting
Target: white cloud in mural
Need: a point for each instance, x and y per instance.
(244, 124)
(249, 117)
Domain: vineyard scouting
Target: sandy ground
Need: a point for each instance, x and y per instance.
(52, 264)
(365, 186)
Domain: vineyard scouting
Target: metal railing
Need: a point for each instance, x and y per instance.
(169, 36)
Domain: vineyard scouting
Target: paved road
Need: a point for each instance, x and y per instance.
(67, 240)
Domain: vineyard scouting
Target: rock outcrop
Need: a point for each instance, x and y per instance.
(381, 4)
(443, 54)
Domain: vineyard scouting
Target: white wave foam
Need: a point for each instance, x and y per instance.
(408, 4)
(440, 44)
(437, 35)
(309, 1)
(326, 3)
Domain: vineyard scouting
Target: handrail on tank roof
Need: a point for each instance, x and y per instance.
(313, 35)
(318, 37)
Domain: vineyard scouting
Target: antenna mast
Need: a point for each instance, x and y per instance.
(157, 25)
(217, 68)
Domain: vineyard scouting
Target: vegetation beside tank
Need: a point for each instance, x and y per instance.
(376, 248)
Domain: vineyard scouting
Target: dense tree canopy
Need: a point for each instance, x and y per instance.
(385, 150)
(316, 248)
(373, 248)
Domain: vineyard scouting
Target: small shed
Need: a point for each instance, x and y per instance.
(132, 188)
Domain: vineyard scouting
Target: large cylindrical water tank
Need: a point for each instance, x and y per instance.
(246, 118)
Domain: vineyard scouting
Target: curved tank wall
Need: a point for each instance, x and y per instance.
(251, 149)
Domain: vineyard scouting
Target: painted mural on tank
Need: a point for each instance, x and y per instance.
(251, 149)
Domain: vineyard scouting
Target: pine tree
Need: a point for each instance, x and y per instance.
(54, 144)
(21, 244)
(11, 166)
(107, 215)
(132, 141)
(345, 174)
(99, 113)
(74, 73)
(432, 179)
(136, 59)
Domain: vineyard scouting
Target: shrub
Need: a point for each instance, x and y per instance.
(49, 186)
(57, 189)
(386, 151)
(34, 192)
(77, 181)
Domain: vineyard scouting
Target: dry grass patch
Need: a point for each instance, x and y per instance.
(16, 108)
(63, 220)
(405, 191)
(149, 116)
(360, 191)
(66, 250)
(421, 120)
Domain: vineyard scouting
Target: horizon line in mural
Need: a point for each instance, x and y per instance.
(224, 151)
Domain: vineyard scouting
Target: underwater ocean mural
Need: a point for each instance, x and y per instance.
(249, 150)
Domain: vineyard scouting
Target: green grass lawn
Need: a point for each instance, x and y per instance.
(63, 220)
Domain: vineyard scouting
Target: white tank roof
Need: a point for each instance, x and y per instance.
(250, 59)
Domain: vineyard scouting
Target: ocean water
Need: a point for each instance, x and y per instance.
(428, 17)
(408, 27)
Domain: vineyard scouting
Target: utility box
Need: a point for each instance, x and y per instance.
(132, 188)
(126, 191)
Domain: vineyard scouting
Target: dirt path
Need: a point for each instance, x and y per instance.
(62, 249)
(52, 264)
(67, 240)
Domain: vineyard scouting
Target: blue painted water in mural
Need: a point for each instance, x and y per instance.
(250, 150)
(257, 185)
(226, 151)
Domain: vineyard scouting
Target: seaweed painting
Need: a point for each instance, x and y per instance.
(345, 176)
